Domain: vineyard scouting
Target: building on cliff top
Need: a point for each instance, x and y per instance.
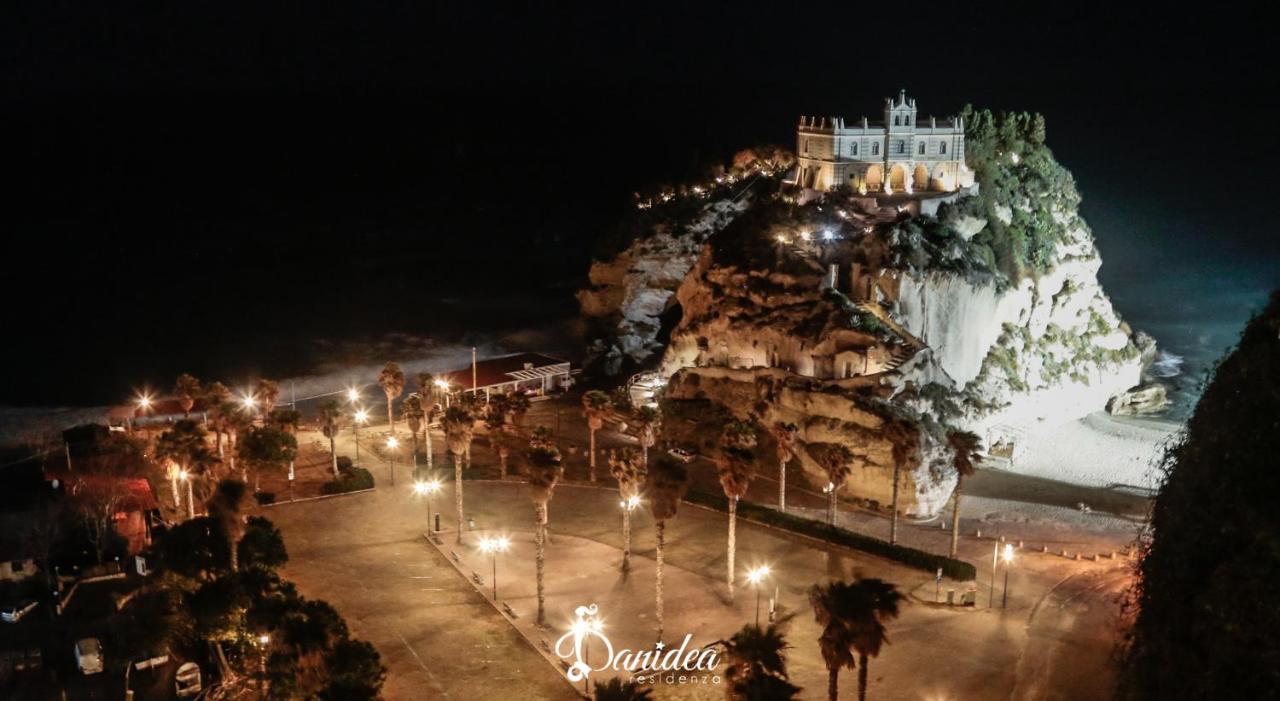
(917, 155)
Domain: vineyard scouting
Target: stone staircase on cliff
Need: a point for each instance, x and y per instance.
(900, 354)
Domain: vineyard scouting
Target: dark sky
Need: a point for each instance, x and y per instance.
(182, 176)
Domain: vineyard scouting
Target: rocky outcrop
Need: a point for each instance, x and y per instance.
(1145, 399)
(628, 294)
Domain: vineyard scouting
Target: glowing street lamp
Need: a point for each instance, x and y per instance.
(427, 488)
(248, 401)
(144, 402)
(353, 395)
(1007, 556)
(493, 546)
(360, 417)
(754, 577)
(392, 444)
(443, 386)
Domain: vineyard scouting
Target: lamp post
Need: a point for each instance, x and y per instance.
(429, 489)
(1007, 556)
(628, 505)
(360, 417)
(191, 504)
(493, 546)
(583, 628)
(754, 577)
(263, 640)
(248, 402)
(392, 444)
(353, 395)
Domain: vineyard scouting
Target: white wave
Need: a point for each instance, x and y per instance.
(1167, 365)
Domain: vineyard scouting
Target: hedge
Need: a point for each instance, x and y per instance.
(919, 559)
(352, 480)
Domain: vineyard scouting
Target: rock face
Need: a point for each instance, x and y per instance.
(629, 293)
(1146, 399)
(979, 311)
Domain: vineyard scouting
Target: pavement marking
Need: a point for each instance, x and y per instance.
(424, 667)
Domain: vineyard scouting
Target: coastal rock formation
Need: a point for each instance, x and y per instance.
(1145, 399)
(842, 313)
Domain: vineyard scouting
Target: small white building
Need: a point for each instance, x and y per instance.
(532, 373)
(901, 154)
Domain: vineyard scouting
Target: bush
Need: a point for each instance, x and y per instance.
(350, 480)
(919, 559)
(265, 498)
(344, 464)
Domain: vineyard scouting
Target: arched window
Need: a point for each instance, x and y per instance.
(875, 149)
(853, 149)
(942, 148)
(921, 148)
(895, 120)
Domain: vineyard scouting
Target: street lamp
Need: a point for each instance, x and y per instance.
(429, 489)
(443, 386)
(586, 625)
(493, 546)
(628, 505)
(248, 401)
(263, 640)
(360, 417)
(392, 444)
(353, 395)
(754, 577)
(191, 504)
(1007, 556)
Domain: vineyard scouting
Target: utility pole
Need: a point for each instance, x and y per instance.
(474, 383)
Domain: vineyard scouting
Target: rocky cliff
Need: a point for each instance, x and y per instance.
(842, 313)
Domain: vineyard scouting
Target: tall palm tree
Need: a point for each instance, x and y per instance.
(413, 414)
(330, 419)
(187, 389)
(965, 456)
(517, 406)
(903, 437)
(646, 419)
(391, 379)
(459, 427)
(217, 400)
(835, 460)
(238, 422)
(182, 445)
(630, 472)
(287, 420)
(427, 393)
(544, 471)
(785, 435)
(757, 664)
(595, 405)
(668, 480)
(618, 690)
(267, 448)
(734, 465)
(495, 420)
(267, 392)
(226, 507)
(853, 618)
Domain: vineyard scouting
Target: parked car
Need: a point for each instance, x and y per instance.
(12, 613)
(187, 681)
(681, 454)
(89, 655)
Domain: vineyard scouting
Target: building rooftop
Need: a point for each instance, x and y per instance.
(504, 370)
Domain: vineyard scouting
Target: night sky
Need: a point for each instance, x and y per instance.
(199, 186)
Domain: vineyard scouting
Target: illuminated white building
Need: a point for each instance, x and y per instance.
(915, 154)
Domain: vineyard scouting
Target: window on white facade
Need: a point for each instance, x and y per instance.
(853, 149)
(942, 147)
(902, 147)
(875, 149)
(806, 145)
(895, 120)
(921, 148)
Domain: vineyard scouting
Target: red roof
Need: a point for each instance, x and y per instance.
(498, 371)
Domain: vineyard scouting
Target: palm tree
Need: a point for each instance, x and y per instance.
(495, 419)
(965, 447)
(853, 618)
(734, 466)
(785, 434)
(267, 448)
(646, 420)
(288, 421)
(459, 426)
(618, 690)
(668, 480)
(630, 471)
(183, 445)
(330, 417)
(757, 664)
(595, 405)
(413, 414)
(544, 471)
(216, 399)
(835, 459)
(238, 421)
(391, 379)
(426, 393)
(267, 392)
(904, 438)
(186, 388)
(226, 507)
(517, 406)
